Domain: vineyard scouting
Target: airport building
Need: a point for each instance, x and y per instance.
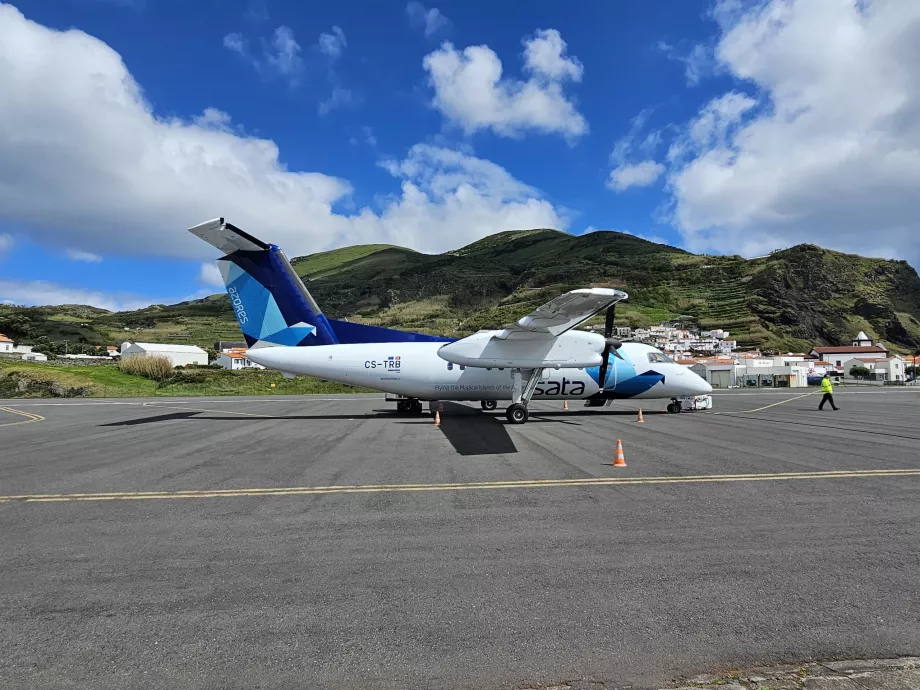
(178, 355)
(235, 359)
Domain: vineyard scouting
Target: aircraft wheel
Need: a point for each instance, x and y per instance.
(516, 413)
(488, 404)
(415, 407)
(403, 406)
(674, 408)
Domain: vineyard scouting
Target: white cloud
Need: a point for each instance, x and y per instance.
(626, 173)
(236, 43)
(430, 20)
(332, 44)
(79, 255)
(544, 55)
(338, 98)
(87, 162)
(209, 274)
(6, 243)
(827, 149)
(279, 56)
(42, 292)
(698, 61)
(638, 175)
(283, 55)
(471, 92)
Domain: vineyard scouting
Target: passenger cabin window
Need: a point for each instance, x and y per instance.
(659, 358)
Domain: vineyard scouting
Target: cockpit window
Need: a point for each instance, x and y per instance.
(659, 358)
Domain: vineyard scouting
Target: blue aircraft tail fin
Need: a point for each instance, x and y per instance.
(271, 303)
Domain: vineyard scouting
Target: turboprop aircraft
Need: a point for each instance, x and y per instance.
(540, 357)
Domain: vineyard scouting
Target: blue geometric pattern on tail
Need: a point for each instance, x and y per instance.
(257, 311)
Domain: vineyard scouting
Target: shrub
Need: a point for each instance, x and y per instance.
(859, 372)
(156, 368)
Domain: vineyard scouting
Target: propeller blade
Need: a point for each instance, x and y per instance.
(609, 342)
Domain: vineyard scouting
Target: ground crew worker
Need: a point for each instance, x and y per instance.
(828, 389)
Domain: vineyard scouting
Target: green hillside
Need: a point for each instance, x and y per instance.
(789, 300)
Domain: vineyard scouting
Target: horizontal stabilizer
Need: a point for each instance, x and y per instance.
(226, 237)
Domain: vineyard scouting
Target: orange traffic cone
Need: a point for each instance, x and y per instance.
(640, 420)
(565, 404)
(437, 418)
(619, 458)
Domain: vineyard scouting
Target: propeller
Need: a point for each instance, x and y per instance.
(610, 343)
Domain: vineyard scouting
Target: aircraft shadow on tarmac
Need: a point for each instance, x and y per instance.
(470, 431)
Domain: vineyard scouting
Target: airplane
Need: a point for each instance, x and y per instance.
(540, 357)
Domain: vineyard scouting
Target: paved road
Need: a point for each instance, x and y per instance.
(495, 586)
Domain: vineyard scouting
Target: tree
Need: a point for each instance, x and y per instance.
(858, 371)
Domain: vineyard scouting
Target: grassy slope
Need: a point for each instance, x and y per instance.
(109, 381)
(789, 300)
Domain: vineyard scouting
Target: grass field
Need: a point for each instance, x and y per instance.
(32, 379)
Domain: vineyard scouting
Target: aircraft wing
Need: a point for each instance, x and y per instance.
(534, 341)
(565, 312)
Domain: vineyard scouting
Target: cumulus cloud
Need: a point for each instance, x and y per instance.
(209, 274)
(339, 97)
(279, 56)
(85, 161)
(631, 157)
(826, 146)
(283, 54)
(235, 42)
(470, 91)
(429, 20)
(332, 44)
(698, 61)
(637, 175)
(79, 255)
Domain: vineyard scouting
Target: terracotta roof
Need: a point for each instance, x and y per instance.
(4, 339)
(848, 350)
(235, 355)
(819, 363)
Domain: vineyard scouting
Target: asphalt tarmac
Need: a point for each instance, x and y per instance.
(326, 542)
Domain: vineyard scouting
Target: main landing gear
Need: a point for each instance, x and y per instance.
(409, 406)
(488, 404)
(517, 413)
(675, 406)
(521, 391)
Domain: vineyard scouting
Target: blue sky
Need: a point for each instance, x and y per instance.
(690, 122)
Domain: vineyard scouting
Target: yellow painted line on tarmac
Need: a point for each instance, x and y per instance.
(455, 486)
(31, 417)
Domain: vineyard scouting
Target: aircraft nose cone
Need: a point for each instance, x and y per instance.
(703, 386)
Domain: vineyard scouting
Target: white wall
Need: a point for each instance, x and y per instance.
(6, 347)
(177, 359)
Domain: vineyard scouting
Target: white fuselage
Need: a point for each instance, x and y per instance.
(415, 370)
